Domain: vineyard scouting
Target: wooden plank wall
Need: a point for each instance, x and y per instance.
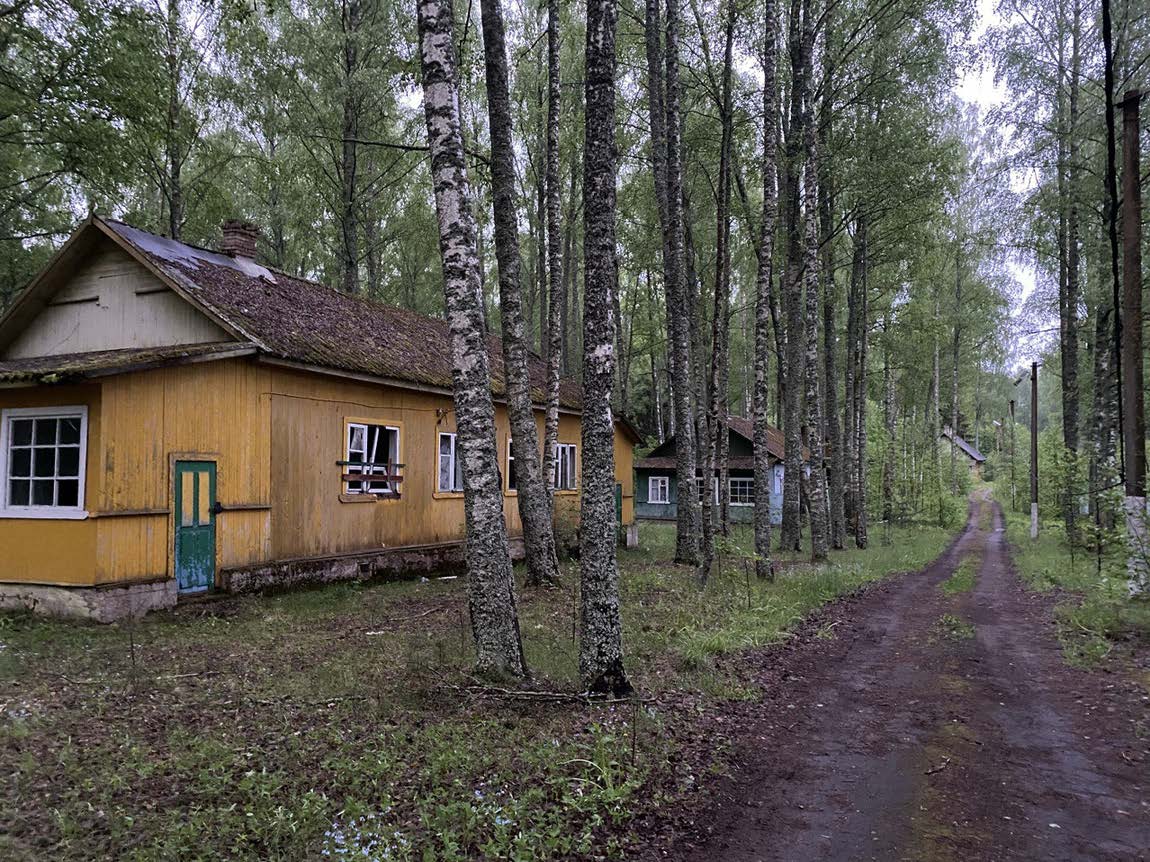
(217, 411)
(48, 551)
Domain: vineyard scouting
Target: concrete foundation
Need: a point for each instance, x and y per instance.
(103, 604)
(388, 563)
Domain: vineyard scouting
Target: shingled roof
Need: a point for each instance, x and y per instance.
(282, 317)
(776, 447)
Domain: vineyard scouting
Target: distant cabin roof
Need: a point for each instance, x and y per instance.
(663, 456)
(972, 453)
(269, 312)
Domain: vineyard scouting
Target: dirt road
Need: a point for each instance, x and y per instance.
(940, 725)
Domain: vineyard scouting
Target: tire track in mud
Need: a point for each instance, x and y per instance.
(936, 726)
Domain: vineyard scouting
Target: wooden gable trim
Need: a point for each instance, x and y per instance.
(176, 284)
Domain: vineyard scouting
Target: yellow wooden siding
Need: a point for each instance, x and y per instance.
(275, 436)
(213, 411)
(51, 551)
(309, 415)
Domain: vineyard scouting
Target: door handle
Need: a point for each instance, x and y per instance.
(217, 508)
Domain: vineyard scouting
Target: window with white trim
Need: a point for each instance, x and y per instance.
(373, 450)
(742, 491)
(42, 454)
(511, 486)
(714, 488)
(658, 489)
(450, 477)
(564, 478)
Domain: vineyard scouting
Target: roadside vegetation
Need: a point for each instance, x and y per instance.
(327, 723)
(1096, 614)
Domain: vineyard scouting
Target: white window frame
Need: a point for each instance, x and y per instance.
(389, 489)
(60, 513)
(453, 460)
(510, 463)
(664, 484)
(731, 487)
(714, 489)
(563, 465)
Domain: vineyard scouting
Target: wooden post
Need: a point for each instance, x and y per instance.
(1034, 450)
(1133, 418)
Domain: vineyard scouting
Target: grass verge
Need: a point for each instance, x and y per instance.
(342, 722)
(1097, 613)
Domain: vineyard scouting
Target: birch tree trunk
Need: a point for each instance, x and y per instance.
(861, 388)
(175, 160)
(556, 295)
(601, 634)
(834, 435)
(817, 495)
(665, 124)
(491, 587)
(763, 287)
(350, 21)
(791, 533)
(532, 495)
(888, 466)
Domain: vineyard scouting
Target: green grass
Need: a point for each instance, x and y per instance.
(962, 581)
(1097, 612)
(953, 627)
(320, 723)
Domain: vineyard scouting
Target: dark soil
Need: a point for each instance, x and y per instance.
(909, 724)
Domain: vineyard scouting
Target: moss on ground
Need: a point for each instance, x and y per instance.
(328, 722)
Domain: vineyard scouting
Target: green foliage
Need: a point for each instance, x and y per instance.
(1098, 611)
(962, 581)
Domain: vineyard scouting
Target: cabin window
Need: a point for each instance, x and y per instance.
(511, 486)
(742, 491)
(450, 467)
(373, 450)
(658, 489)
(714, 488)
(564, 478)
(42, 453)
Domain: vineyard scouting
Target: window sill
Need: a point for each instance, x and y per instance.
(368, 498)
(565, 492)
(447, 495)
(43, 514)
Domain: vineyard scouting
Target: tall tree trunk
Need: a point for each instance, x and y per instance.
(688, 517)
(556, 296)
(956, 344)
(601, 636)
(861, 386)
(491, 587)
(175, 190)
(533, 498)
(817, 495)
(834, 436)
(791, 532)
(351, 18)
(935, 411)
(1068, 320)
(850, 411)
(888, 411)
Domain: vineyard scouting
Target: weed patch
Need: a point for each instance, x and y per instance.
(955, 628)
(962, 581)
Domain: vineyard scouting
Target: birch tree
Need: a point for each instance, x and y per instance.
(601, 632)
(491, 587)
(763, 281)
(532, 496)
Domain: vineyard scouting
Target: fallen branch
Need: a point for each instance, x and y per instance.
(945, 763)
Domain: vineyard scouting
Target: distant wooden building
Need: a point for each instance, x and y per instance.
(973, 458)
(656, 486)
(175, 420)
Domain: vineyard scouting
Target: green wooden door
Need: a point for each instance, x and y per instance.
(195, 526)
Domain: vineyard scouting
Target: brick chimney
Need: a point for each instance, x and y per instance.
(239, 238)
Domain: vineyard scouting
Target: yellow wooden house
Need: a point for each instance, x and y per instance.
(175, 420)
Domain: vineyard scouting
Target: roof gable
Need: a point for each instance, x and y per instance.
(286, 318)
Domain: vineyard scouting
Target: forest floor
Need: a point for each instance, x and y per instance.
(942, 721)
(342, 722)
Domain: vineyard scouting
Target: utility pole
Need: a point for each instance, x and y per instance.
(1013, 500)
(1034, 450)
(1133, 419)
